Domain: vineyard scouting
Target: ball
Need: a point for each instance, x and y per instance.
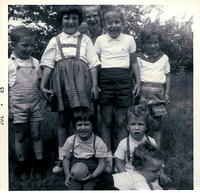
(79, 171)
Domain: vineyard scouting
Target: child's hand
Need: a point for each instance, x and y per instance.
(166, 98)
(88, 177)
(95, 93)
(164, 179)
(67, 180)
(137, 90)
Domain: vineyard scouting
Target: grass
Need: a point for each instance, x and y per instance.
(177, 143)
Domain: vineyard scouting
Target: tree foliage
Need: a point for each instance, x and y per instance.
(178, 37)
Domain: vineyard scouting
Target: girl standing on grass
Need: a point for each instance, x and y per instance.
(70, 59)
(155, 77)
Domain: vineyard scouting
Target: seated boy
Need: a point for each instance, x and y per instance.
(84, 147)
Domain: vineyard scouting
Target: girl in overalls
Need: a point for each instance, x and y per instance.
(70, 59)
(24, 100)
(84, 147)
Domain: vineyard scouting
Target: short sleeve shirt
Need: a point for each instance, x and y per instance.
(114, 52)
(130, 181)
(85, 149)
(154, 71)
(14, 62)
(87, 51)
(121, 151)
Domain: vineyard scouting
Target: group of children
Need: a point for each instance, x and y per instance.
(77, 71)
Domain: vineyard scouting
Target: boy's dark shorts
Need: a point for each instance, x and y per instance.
(120, 98)
(116, 87)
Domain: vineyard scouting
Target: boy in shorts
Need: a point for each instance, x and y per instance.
(24, 100)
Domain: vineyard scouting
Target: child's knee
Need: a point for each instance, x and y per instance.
(20, 138)
(35, 136)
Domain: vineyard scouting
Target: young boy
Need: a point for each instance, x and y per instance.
(24, 99)
(147, 161)
(117, 54)
(84, 147)
(136, 126)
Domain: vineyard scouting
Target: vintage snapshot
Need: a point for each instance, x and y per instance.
(100, 96)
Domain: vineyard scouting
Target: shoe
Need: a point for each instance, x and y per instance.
(23, 176)
(39, 170)
(58, 168)
(23, 171)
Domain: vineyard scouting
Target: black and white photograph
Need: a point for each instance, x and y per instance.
(100, 96)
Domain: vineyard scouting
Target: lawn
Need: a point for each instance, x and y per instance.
(177, 142)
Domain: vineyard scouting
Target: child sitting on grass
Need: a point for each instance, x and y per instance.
(136, 118)
(84, 147)
(147, 162)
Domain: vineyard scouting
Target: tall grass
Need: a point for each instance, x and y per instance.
(177, 142)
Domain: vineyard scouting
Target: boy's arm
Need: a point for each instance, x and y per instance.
(100, 168)
(120, 165)
(66, 166)
(136, 73)
(167, 88)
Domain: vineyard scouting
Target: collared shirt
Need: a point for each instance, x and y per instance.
(132, 180)
(87, 50)
(85, 149)
(114, 52)
(121, 151)
(14, 62)
(154, 71)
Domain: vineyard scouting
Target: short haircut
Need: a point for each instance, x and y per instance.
(148, 31)
(114, 10)
(20, 31)
(70, 9)
(143, 153)
(140, 110)
(82, 114)
(98, 11)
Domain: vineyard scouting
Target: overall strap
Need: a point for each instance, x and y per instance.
(128, 149)
(59, 46)
(79, 46)
(73, 144)
(94, 141)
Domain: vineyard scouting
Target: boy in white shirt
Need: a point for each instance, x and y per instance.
(24, 100)
(117, 55)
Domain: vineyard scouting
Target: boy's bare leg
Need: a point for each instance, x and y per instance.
(107, 121)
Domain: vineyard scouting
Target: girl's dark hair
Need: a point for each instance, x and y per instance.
(68, 9)
(148, 31)
(143, 153)
(82, 114)
(20, 31)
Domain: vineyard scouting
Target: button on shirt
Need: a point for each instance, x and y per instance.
(87, 50)
(115, 52)
(14, 62)
(85, 149)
